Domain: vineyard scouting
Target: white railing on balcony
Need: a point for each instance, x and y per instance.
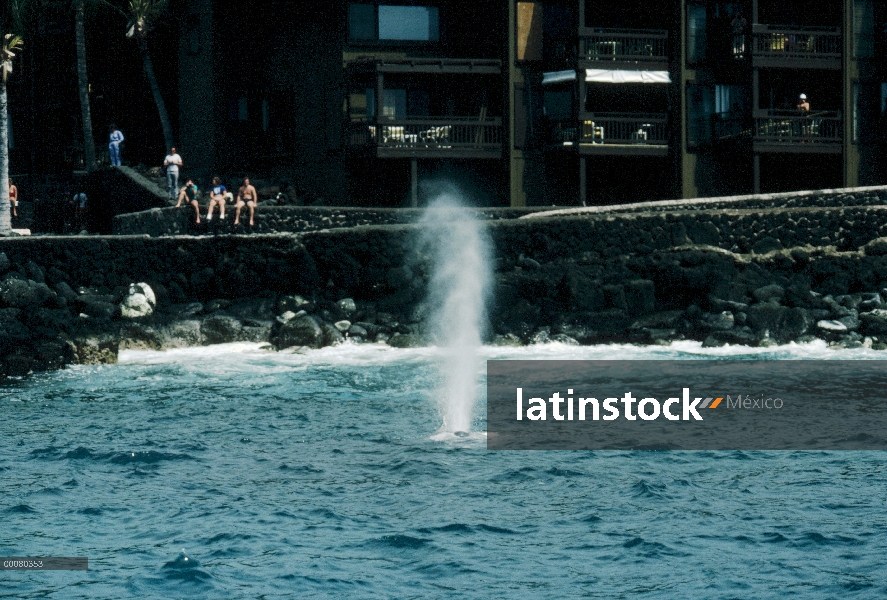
(627, 45)
(429, 133)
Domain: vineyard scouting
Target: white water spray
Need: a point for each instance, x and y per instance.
(459, 248)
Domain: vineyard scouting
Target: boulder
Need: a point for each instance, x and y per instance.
(292, 303)
(98, 309)
(831, 326)
(765, 316)
(180, 334)
(874, 322)
(300, 331)
(332, 335)
(19, 293)
(347, 306)
(409, 340)
(769, 292)
(139, 301)
(66, 291)
(509, 339)
(343, 326)
(876, 247)
(717, 321)
(4, 263)
(96, 350)
(357, 330)
(220, 329)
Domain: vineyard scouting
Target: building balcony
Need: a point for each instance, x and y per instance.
(428, 137)
(614, 134)
(597, 46)
(787, 131)
(800, 48)
(455, 66)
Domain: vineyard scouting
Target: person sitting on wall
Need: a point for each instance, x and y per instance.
(217, 196)
(190, 192)
(246, 196)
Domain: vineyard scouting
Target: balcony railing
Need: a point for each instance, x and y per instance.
(786, 43)
(625, 45)
(788, 127)
(442, 135)
(623, 128)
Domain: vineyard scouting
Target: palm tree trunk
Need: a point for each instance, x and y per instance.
(5, 219)
(155, 90)
(83, 87)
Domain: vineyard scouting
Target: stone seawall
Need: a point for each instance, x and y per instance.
(740, 276)
(280, 219)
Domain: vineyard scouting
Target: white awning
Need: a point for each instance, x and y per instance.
(622, 76)
(558, 76)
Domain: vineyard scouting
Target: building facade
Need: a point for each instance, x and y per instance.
(561, 102)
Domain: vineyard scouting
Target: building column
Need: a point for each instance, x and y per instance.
(850, 73)
(414, 182)
(757, 168)
(198, 114)
(583, 182)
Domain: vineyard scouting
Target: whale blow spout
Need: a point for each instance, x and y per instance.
(460, 250)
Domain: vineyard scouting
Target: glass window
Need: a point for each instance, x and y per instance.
(558, 105)
(868, 111)
(696, 34)
(370, 22)
(408, 23)
(362, 22)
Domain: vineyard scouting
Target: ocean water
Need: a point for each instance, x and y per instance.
(231, 472)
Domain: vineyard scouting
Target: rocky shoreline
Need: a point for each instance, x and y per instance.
(730, 299)
(751, 277)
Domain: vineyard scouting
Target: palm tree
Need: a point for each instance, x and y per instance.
(142, 14)
(10, 24)
(83, 85)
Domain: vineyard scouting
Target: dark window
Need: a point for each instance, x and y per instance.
(390, 23)
(696, 33)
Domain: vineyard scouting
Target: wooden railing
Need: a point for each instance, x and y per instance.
(623, 128)
(427, 133)
(777, 41)
(789, 127)
(628, 45)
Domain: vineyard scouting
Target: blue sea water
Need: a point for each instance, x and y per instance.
(231, 472)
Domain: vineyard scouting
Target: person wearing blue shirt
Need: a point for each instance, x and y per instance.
(216, 196)
(114, 145)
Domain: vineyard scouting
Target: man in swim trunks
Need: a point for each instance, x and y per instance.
(13, 198)
(190, 193)
(217, 196)
(246, 196)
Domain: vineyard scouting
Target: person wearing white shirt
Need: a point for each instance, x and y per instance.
(172, 162)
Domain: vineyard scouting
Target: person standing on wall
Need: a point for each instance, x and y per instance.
(246, 196)
(79, 202)
(13, 198)
(173, 163)
(116, 138)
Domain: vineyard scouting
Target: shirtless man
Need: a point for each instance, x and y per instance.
(13, 198)
(246, 196)
(190, 193)
(216, 196)
(803, 103)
